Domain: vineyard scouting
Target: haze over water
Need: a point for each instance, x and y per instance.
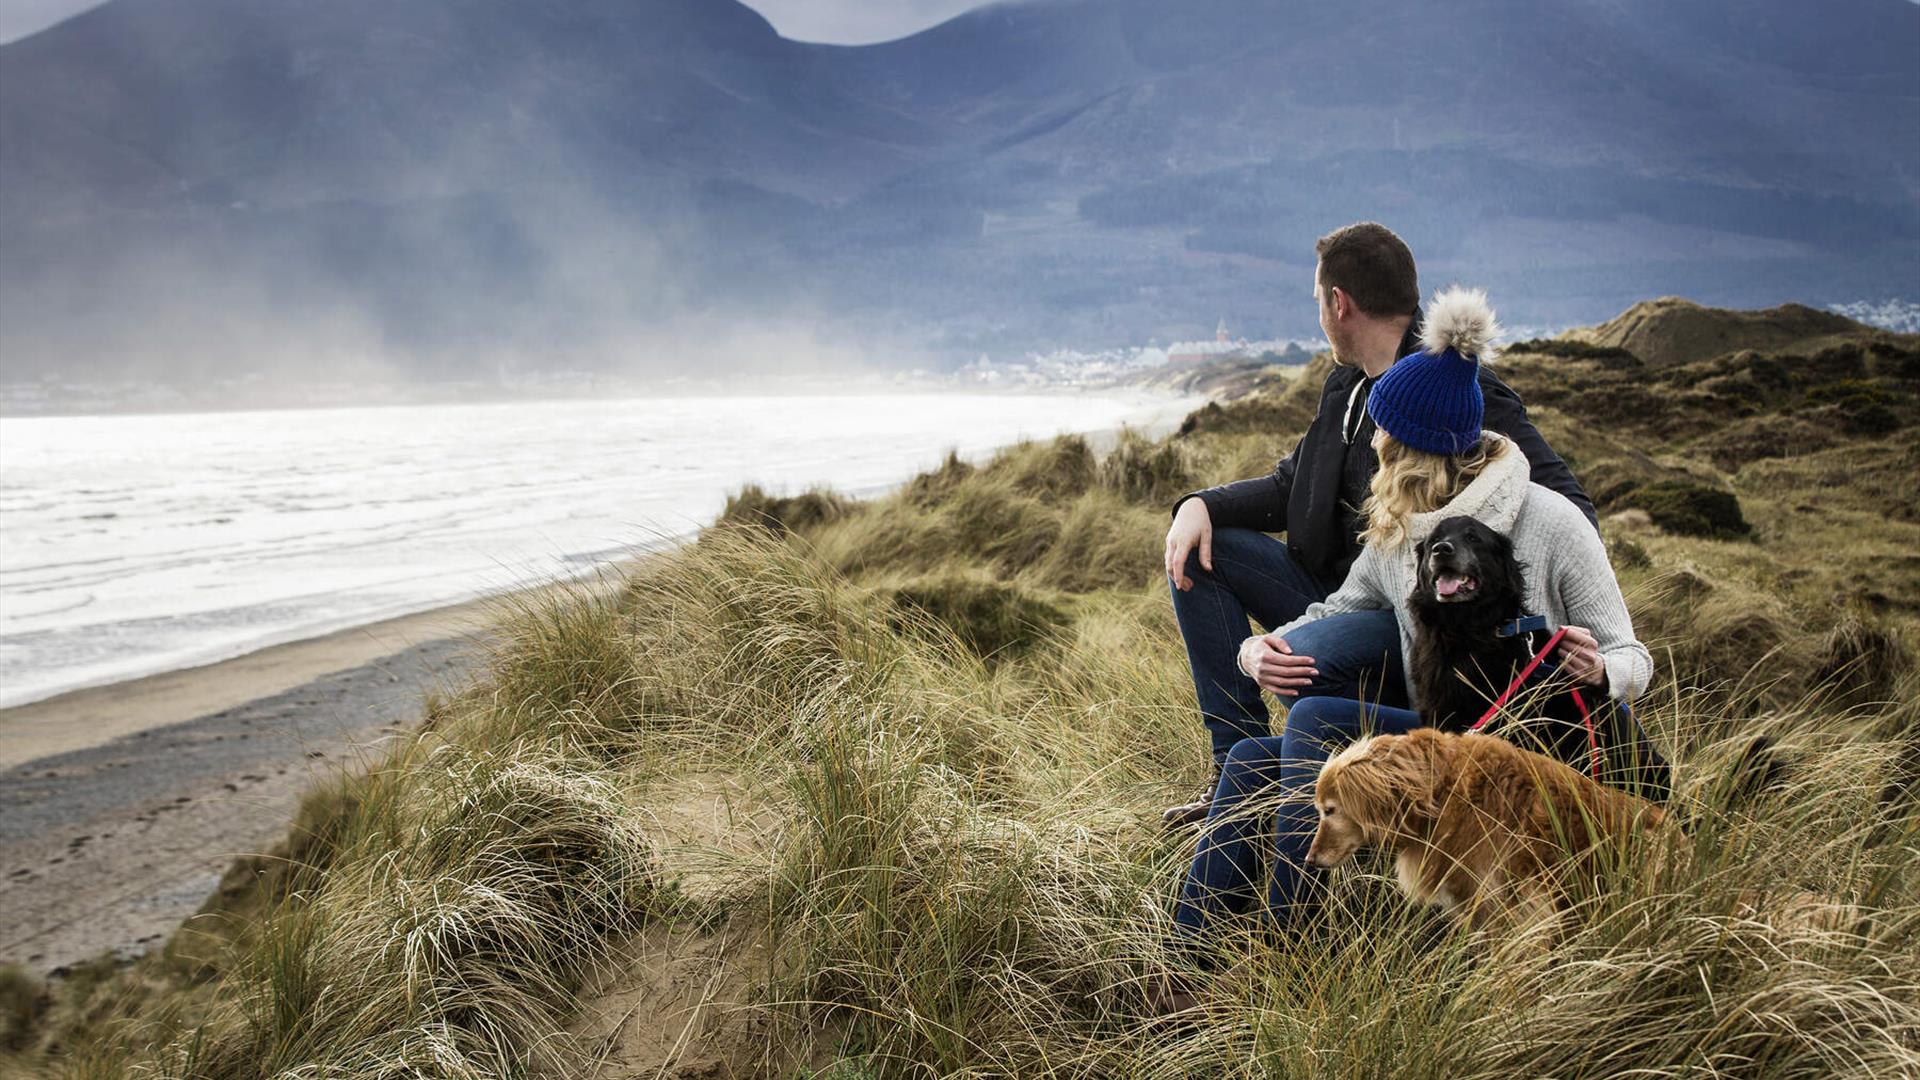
(136, 544)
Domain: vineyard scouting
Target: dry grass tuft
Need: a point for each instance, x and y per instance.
(24, 1002)
(1862, 661)
(784, 513)
(997, 622)
(1139, 469)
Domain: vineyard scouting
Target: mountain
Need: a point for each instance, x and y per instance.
(1571, 156)
(199, 102)
(209, 185)
(421, 180)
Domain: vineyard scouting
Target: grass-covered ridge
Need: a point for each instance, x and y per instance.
(872, 789)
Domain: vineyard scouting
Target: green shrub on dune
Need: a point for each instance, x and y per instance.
(1769, 436)
(997, 523)
(1095, 527)
(1689, 509)
(995, 621)
(1862, 662)
(1612, 356)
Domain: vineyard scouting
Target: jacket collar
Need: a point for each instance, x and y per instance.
(1493, 498)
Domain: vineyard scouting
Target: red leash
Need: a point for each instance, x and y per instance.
(1586, 717)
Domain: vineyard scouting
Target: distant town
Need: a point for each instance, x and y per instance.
(1108, 367)
(1061, 369)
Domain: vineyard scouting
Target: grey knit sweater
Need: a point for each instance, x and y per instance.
(1569, 579)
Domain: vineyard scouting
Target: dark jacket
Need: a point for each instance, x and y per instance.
(1314, 493)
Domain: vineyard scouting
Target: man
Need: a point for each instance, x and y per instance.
(1224, 567)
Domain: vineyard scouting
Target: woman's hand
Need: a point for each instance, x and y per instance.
(1269, 661)
(1580, 656)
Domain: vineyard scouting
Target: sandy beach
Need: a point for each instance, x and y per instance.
(83, 719)
(121, 805)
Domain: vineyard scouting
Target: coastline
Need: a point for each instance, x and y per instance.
(93, 716)
(107, 848)
(121, 804)
(106, 589)
(354, 396)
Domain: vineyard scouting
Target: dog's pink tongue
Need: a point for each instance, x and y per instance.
(1447, 584)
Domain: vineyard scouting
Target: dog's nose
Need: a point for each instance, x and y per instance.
(1441, 547)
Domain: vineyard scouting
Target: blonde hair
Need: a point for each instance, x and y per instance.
(1415, 482)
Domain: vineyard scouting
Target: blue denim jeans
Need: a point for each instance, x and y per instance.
(1357, 654)
(1258, 774)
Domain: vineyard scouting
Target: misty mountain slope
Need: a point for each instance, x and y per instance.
(179, 177)
(1669, 86)
(1570, 155)
(443, 178)
(280, 103)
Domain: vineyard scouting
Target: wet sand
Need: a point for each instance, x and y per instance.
(92, 717)
(109, 843)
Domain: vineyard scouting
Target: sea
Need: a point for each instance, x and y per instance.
(131, 545)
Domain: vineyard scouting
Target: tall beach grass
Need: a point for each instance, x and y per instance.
(912, 753)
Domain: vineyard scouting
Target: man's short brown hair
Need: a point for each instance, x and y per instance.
(1369, 263)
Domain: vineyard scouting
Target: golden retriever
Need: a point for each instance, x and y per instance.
(1476, 825)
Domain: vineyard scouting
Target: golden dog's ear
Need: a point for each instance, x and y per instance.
(1404, 769)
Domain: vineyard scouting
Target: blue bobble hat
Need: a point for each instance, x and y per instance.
(1431, 400)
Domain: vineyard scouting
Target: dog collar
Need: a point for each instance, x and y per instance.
(1525, 624)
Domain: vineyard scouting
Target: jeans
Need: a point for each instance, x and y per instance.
(1357, 654)
(1227, 863)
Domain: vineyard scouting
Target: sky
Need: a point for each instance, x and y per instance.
(847, 22)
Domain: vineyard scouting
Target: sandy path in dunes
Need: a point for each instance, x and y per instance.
(680, 1002)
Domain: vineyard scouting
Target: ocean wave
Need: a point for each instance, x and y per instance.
(140, 544)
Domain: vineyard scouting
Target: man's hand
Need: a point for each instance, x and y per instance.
(1192, 527)
(1580, 656)
(1270, 661)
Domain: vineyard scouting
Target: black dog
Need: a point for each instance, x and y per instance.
(1469, 585)
(1468, 649)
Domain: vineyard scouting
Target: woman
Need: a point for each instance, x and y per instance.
(1435, 463)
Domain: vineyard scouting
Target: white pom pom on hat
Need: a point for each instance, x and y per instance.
(1460, 319)
(1431, 400)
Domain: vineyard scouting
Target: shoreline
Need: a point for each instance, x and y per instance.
(109, 848)
(807, 388)
(122, 804)
(95, 712)
(92, 716)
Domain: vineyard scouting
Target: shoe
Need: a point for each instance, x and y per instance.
(1191, 813)
(1172, 996)
(1194, 812)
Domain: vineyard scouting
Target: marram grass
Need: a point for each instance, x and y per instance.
(948, 859)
